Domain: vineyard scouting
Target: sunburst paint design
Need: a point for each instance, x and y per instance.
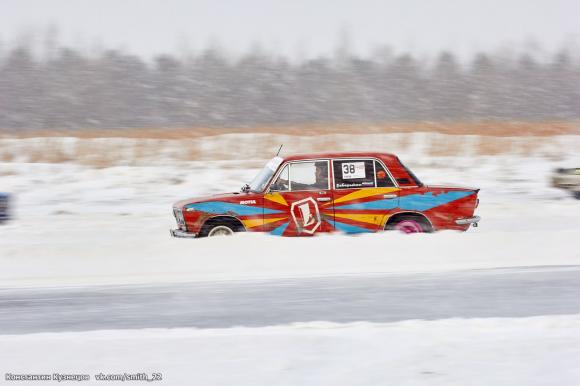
(366, 210)
(277, 198)
(363, 193)
(255, 222)
(359, 211)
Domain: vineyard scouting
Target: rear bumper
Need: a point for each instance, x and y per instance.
(467, 221)
(182, 234)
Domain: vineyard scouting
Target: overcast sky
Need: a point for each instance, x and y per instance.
(298, 28)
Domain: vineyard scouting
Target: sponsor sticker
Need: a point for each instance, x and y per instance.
(306, 215)
(362, 184)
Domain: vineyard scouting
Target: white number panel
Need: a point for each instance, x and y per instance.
(351, 170)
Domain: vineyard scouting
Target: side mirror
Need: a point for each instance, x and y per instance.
(245, 188)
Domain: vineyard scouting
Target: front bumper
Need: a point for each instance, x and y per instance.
(182, 234)
(467, 221)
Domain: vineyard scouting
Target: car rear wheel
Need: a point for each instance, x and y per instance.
(409, 224)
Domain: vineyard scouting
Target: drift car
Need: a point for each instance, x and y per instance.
(304, 195)
(568, 179)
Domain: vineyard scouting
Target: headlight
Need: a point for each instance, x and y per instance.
(177, 212)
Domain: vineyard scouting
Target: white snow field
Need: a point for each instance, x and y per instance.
(77, 225)
(535, 351)
(80, 225)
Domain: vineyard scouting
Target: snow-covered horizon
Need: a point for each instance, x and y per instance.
(252, 149)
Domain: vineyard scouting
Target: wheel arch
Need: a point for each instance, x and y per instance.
(223, 219)
(394, 218)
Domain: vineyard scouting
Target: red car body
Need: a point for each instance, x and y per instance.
(353, 193)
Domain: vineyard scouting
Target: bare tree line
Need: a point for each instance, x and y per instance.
(72, 90)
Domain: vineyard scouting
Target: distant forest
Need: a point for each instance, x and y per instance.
(69, 89)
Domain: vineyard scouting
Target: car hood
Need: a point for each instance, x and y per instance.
(214, 197)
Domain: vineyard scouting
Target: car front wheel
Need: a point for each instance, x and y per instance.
(220, 230)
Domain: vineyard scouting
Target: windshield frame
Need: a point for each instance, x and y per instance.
(265, 175)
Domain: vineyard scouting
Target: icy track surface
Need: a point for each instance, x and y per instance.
(507, 292)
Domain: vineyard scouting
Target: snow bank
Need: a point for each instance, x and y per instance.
(532, 351)
(127, 251)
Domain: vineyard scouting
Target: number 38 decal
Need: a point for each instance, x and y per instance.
(351, 170)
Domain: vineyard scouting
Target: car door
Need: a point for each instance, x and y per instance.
(301, 197)
(365, 195)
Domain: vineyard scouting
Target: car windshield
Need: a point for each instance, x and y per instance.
(259, 182)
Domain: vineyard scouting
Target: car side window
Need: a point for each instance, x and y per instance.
(282, 183)
(383, 178)
(352, 173)
(311, 175)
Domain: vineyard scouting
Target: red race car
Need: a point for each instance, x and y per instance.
(303, 195)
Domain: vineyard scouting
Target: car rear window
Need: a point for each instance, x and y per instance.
(383, 178)
(411, 174)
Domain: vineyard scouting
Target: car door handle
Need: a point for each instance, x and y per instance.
(389, 196)
(323, 198)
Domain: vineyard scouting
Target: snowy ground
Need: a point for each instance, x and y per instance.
(537, 351)
(76, 225)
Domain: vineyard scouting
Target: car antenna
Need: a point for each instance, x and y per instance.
(279, 150)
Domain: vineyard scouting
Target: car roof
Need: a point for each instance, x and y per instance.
(356, 154)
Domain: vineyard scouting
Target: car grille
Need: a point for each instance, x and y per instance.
(178, 213)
